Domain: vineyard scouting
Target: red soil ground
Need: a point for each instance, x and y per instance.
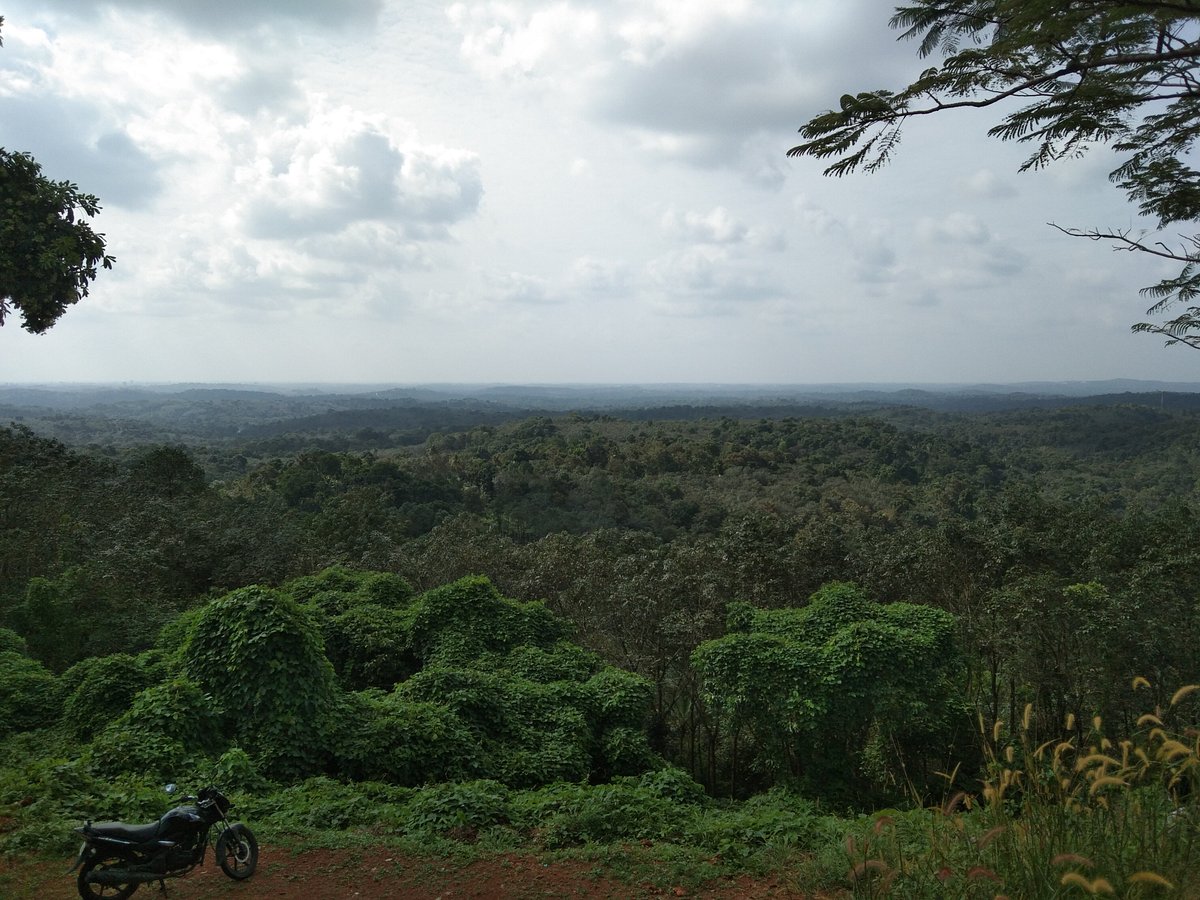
(380, 873)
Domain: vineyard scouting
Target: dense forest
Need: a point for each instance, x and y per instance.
(838, 600)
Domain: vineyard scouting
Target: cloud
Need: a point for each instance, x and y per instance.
(340, 167)
(599, 276)
(987, 184)
(954, 228)
(260, 88)
(704, 82)
(707, 279)
(714, 227)
(74, 140)
(233, 16)
(509, 288)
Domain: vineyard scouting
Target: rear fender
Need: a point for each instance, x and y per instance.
(84, 852)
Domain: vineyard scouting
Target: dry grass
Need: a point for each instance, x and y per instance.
(1079, 813)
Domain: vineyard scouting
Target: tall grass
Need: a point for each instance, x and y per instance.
(1075, 814)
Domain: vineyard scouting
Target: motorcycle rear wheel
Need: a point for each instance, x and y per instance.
(90, 891)
(237, 852)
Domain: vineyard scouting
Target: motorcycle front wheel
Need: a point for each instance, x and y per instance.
(237, 852)
(89, 890)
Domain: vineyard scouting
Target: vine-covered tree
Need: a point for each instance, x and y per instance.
(1081, 73)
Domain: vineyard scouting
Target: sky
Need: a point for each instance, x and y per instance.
(410, 191)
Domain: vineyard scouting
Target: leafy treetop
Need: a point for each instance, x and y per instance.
(1086, 72)
(48, 257)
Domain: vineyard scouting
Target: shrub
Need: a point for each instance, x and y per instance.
(174, 636)
(457, 807)
(167, 729)
(851, 698)
(561, 662)
(369, 646)
(104, 688)
(11, 642)
(461, 622)
(29, 694)
(390, 738)
(235, 770)
(261, 657)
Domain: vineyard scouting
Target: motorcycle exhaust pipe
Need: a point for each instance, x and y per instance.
(119, 877)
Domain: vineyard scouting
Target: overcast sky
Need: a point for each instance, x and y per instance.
(521, 191)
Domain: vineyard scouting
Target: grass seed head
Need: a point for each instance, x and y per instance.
(1151, 878)
(1180, 694)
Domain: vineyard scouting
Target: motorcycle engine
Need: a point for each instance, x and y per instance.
(184, 826)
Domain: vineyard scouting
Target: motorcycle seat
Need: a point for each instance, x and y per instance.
(137, 834)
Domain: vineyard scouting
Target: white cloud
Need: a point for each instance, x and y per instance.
(509, 288)
(234, 16)
(714, 227)
(692, 81)
(599, 276)
(987, 184)
(339, 168)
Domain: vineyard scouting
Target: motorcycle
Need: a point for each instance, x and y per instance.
(116, 858)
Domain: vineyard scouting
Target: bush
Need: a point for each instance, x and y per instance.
(261, 657)
(369, 646)
(570, 814)
(29, 694)
(173, 637)
(325, 804)
(104, 688)
(11, 642)
(390, 738)
(856, 700)
(459, 623)
(167, 730)
(458, 807)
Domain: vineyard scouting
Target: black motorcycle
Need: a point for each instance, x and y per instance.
(115, 858)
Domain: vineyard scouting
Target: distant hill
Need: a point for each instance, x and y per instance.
(135, 414)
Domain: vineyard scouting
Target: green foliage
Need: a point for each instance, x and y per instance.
(11, 642)
(388, 738)
(526, 734)
(168, 730)
(561, 662)
(102, 688)
(369, 646)
(1105, 73)
(261, 658)
(235, 770)
(48, 618)
(321, 803)
(460, 622)
(851, 697)
(167, 472)
(776, 820)
(458, 807)
(48, 256)
(29, 695)
(175, 635)
(46, 798)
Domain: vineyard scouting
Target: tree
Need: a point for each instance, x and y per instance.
(47, 259)
(48, 256)
(1087, 72)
